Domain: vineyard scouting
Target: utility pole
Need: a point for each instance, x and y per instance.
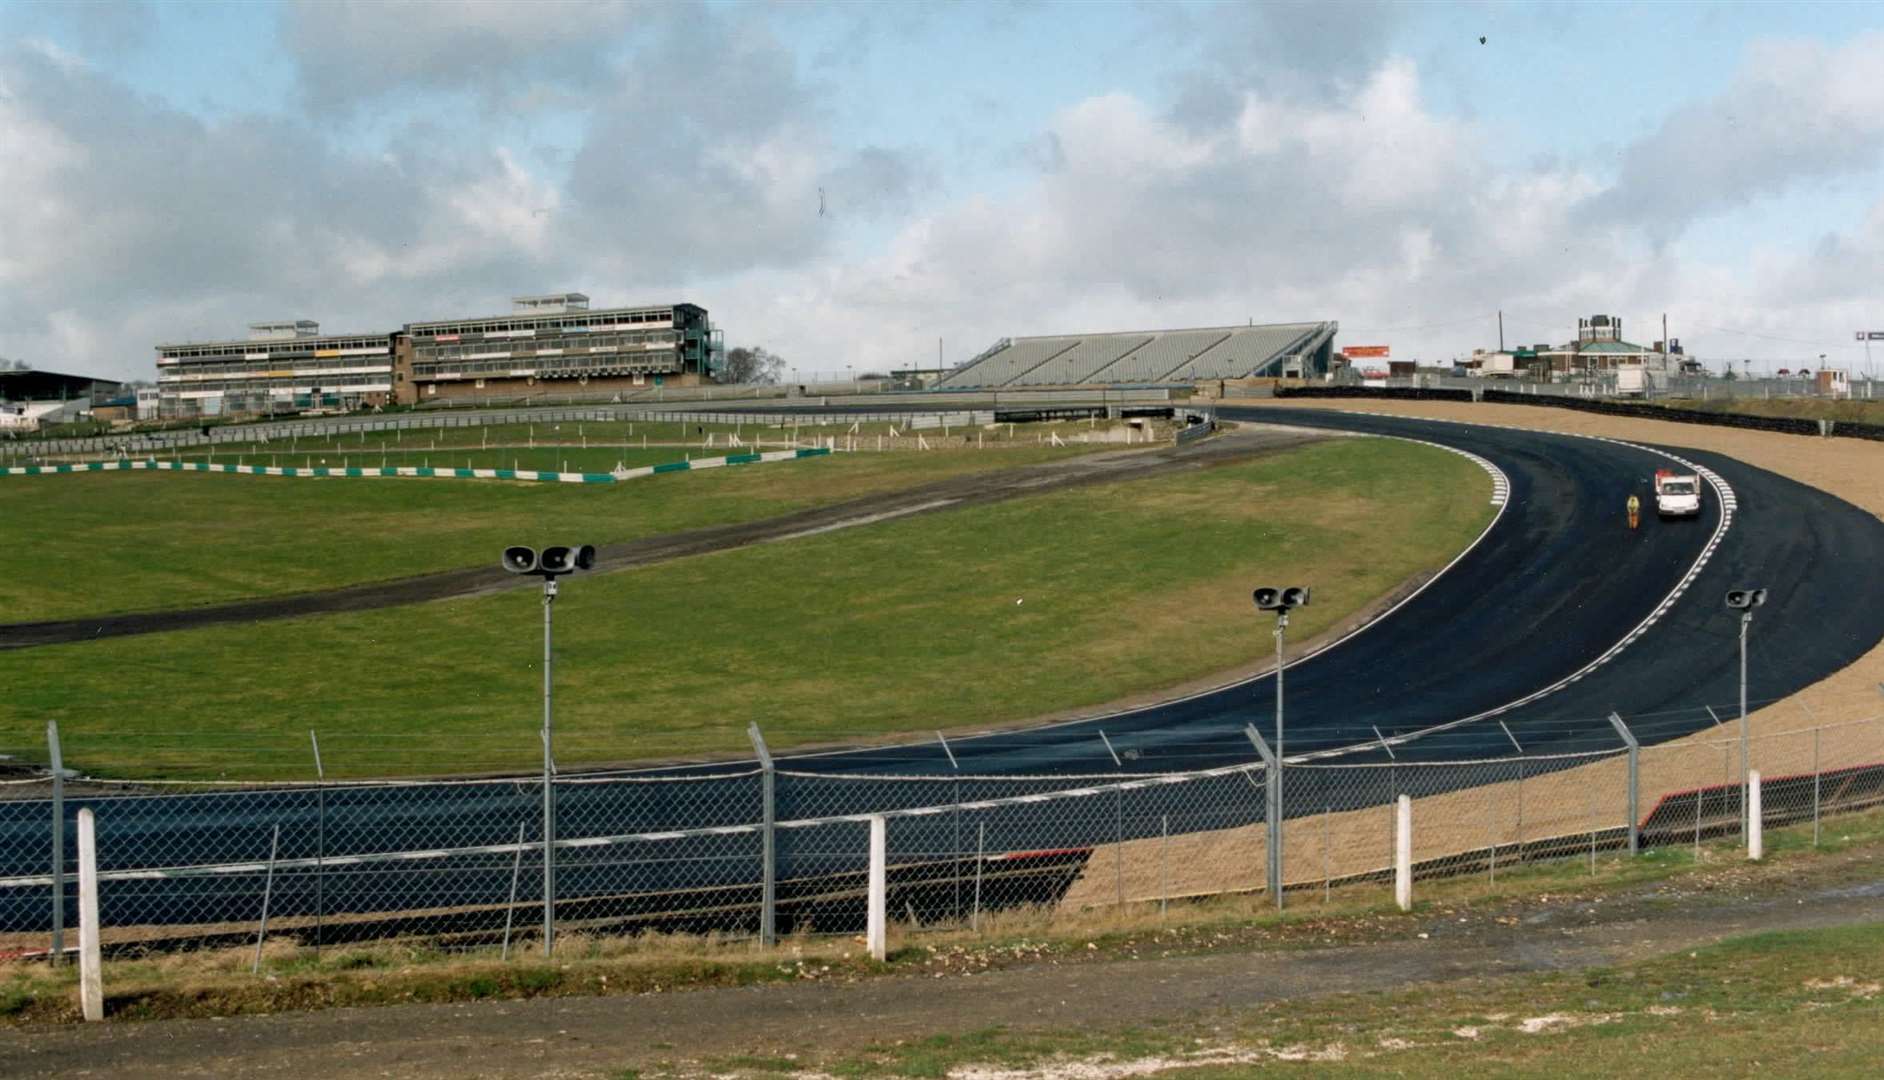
(1501, 330)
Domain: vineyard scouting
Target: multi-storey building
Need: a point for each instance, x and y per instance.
(549, 345)
(287, 366)
(556, 345)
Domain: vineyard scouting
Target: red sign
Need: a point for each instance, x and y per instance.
(1364, 350)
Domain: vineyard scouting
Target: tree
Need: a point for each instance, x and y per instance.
(753, 365)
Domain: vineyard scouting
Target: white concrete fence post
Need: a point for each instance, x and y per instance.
(876, 932)
(1756, 838)
(1403, 854)
(91, 980)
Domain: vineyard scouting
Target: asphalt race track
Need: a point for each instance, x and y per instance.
(1556, 584)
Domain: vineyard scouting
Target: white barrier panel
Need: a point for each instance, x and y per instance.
(91, 980)
(1756, 838)
(876, 929)
(1403, 854)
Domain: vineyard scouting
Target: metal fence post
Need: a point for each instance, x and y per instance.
(268, 891)
(510, 909)
(1635, 775)
(768, 868)
(1815, 787)
(320, 837)
(58, 841)
(1520, 794)
(1272, 812)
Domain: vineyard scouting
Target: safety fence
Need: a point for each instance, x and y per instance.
(733, 405)
(620, 473)
(766, 849)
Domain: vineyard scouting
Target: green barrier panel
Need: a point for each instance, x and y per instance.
(742, 459)
(674, 466)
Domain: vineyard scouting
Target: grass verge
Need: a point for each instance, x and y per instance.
(905, 625)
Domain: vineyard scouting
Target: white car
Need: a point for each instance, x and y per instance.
(1677, 494)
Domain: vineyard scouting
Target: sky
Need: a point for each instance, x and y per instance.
(878, 185)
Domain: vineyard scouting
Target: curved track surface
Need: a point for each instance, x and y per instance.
(1554, 587)
(1557, 583)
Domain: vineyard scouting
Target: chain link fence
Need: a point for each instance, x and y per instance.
(767, 850)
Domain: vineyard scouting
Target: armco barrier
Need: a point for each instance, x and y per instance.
(418, 471)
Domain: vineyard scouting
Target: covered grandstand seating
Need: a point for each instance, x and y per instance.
(1142, 357)
(1005, 365)
(1078, 363)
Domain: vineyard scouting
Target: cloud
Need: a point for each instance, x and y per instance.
(699, 169)
(124, 221)
(1795, 112)
(349, 52)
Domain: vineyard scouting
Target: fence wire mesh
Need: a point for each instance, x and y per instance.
(461, 863)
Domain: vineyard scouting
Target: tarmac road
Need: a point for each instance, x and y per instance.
(1556, 584)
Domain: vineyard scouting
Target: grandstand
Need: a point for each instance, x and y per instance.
(1150, 356)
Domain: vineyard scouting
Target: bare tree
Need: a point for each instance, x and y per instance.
(752, 364)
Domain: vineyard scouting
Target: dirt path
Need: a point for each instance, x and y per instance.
(601, 1036)
(953, 493)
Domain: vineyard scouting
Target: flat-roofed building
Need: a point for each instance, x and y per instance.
(282, 366)
(556, 344)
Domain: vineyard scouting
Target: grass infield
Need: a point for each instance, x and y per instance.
(957, 620)
(143, 541)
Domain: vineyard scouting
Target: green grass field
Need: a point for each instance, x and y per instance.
(963, 619)
(164, 540)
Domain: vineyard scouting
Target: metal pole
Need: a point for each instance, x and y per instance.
(1273, 876)
(549, 787)
(1275, 780)
(1164, 874)
(510, 909)
(1815, 774)
(320, 836)
(1118, 847)
(268, 890)
(981, 844)
(768, 890)
(1635, 767)
(1327, 869)
(58, 841)
(1746, 620)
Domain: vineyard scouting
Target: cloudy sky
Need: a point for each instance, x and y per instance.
(849, 183)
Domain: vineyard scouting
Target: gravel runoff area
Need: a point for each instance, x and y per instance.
(609, 1036)
(953, 493)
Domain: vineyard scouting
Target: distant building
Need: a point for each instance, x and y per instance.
(35, 385)
(281, 367)
(1599, 349)
(548, 344)
(557, 344)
